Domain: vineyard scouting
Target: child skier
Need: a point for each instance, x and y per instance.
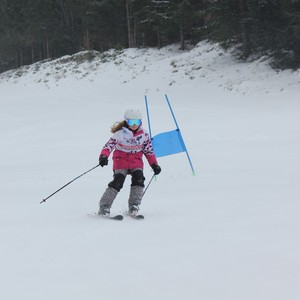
(129, 142)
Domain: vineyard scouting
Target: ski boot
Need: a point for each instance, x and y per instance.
(104, 210)
(133, 209)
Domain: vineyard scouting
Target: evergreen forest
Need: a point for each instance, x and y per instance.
(35, 30)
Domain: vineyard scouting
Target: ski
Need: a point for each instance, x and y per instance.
(115, 217)
(137, 217)
(119, 217)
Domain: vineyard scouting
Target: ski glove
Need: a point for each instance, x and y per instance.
(156, 169)
(103, 160)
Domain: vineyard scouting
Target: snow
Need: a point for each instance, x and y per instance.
(230, 232)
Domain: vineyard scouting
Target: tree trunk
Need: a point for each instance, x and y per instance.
(21, 57)
(62, 7)
(182, 43)
(158, 39)
(245, 35)
(32, 53)
(129, 24)
(17, 59)
(47, 54)
(86, 39)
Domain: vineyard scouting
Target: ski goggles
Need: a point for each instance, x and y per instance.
(132, 122)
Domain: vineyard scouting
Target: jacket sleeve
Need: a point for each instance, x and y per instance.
(148, 151)
(108, 147)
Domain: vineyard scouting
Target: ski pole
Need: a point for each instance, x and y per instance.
(148, 184)
(44, 200)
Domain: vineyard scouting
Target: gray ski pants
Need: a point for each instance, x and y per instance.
(136, 188)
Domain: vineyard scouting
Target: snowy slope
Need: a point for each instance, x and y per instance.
(231, 232)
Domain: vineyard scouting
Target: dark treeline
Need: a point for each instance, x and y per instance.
(34, 30)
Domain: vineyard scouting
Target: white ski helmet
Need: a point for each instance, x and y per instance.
(132, 114)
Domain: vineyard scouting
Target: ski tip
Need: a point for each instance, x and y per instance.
(138, 217)
(117, 217)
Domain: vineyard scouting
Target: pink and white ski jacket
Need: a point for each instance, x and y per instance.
(129, 148)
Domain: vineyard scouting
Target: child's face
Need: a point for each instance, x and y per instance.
(134, 127)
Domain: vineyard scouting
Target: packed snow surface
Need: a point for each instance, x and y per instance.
(229, 232)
